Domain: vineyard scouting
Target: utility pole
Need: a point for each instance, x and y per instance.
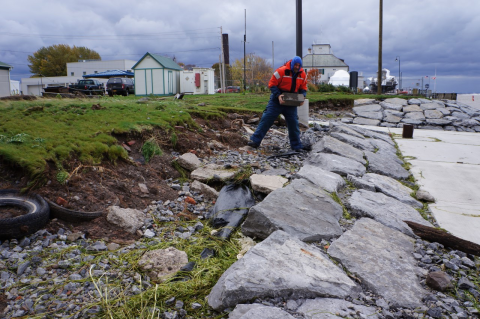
(299, 28)
(273, 58)
(244, 56)
(222, 61)
(380, 34)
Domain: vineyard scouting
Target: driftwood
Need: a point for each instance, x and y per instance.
(444, 238)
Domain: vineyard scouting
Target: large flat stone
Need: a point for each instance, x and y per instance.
(412, 121)
(428, 106)
(414, 102)
(329, 308)
(384, 136)
(359, 102)
(415, 116)
(439, 121)
(258, 311)
(392, 118)
(412, 108)
(460, 115)
(301, 209)
(382, 259)
(280, 266)
(392, 188)
(329, 181)
(364, 121)
(396, 100)
(371, 115)
(360, 143)
(384, 209)
(367, 108)
(385, 163)
(433, 114)
(337, 164)
(391, 106)
(266, 183)
(212, 172)
(344, 129)
(333, 146)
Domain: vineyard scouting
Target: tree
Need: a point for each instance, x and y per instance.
(313, 76)
(258, 71)
(52, 60)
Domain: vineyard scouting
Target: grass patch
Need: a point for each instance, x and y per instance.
(150, 148)
(335, 197)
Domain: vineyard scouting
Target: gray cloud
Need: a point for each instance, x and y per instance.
(426, 34)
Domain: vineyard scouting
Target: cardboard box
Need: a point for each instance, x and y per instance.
(293, 99)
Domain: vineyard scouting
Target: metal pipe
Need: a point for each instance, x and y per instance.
(299, 28)
(380, 35)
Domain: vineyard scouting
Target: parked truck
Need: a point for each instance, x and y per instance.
(88, 87)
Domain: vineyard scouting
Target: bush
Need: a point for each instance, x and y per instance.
(326, 87)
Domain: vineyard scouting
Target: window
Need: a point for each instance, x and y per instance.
(321, 71)
(84, 73)
(72, 73)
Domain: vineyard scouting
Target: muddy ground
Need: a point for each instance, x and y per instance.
(94, 188)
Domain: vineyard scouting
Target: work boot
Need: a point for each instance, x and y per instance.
(253, 144)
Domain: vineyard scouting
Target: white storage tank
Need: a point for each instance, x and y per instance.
(197, 81)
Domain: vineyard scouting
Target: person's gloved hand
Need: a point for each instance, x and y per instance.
(280, 99)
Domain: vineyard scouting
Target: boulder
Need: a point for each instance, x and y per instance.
(301, 209)
(382, 259)
(385, 163)
(371, 115)
(258, 311)
(360, 143)
(333, 146)
(438, 121)
(128, 219)
(266, 183)
(439, 280)
(329, 181)
(397, 101)
(460, 115)
(360, 183)
(428, 106)
(412, 108)
(363, 102)
(204, 189)
(433, 114)
(330, 308)
(344, 129)
(425, 196)
(281, 266)
(189, 161)
(391, 106)
(384, 209)
(275, 172)
(336, 164)
(392, 118)
(367, 108)
(412, 121)
(160, 264)
(384, 136)
(415, 116)
(392, 188)
(212, 172)
(414, 102)
(365, 121)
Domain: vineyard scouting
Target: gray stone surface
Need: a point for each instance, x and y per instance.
(367, 108)
(276, 171)
(126, 218)
(392, 188)
(412, 108)
(359, 102)
(365, 121)
(266, 183)
(392, 118)
(258, 311)
(333, 146)
(397, 100)
(329, 181)
(382, 163)
(412, 121)
(415, 116)
(383, 146)
(414, 102)
(189, 161)
(391, 106)
(382, 259)
(360, 183)
(162, 263)
(360, 143)
(439, 121)
(344, 129)
(212, 172)
(207, 191)
(371, 115)
(387, 124)
(460, 115)
(392, 112)
(301, 209)
(373, 134)
(428, 106)
(425, 196)
(384, 209)
(280, 266)
(439, 280)
(433, 114)
(337, 164)
(329, 308)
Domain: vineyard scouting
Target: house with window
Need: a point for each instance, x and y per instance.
(5, 79)
(157, 75)
(320, 57)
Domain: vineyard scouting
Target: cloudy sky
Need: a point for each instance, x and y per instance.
(425, 34)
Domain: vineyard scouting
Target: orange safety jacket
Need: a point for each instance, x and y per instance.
(282, 78)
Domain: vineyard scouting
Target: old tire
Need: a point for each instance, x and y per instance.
(69, 215)
(36, 217)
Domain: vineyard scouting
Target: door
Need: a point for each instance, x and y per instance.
(170, 82)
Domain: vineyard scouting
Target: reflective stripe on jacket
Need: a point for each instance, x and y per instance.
(282, 78)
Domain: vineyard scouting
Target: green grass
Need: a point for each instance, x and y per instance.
(55, 130)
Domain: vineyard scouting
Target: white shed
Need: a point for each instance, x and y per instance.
(5, 79)
(157, 75)
(198, 81)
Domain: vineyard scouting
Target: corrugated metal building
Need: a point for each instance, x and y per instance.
(5, 79)
(157, 75)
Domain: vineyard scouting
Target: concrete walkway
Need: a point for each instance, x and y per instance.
(447, 165)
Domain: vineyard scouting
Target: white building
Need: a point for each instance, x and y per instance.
(320, 57)
(75, 72)
(198, 81)
(340, 78)
(157, 75)
(14, 87)
(5, 79)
